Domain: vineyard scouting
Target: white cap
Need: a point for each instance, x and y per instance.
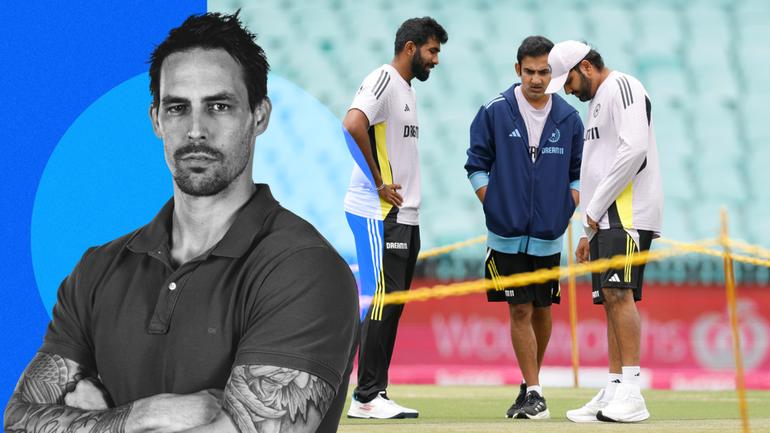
(563, 57)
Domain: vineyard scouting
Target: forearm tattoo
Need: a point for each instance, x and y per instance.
(37, 403)
(263, 398)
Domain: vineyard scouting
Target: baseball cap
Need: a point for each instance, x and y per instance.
(563, 57)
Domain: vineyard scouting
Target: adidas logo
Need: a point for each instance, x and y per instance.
(515, 133)
(616, 381)
(614, 278)
(406, 107)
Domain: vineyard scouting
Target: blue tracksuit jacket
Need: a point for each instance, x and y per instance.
(527, 205)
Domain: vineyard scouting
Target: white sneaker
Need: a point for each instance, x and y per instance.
(588, 412)
(408, 413)
(380, 408)
(627, 405)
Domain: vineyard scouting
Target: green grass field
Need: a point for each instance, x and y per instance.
(482, 409)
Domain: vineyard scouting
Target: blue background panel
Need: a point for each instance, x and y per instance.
(56, 62)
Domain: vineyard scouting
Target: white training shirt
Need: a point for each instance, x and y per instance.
(534, 119)
(389, 103)
(620, 175)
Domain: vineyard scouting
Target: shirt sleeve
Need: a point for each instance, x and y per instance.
(69, 332)
(304, 316)
(373, 95)
(481, 153)
(576, 154)
(629, 112)
(479, 179)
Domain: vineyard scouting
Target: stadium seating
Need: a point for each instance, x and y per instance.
(703, 62)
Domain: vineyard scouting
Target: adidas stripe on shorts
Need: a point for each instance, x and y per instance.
(612, 242)
(498, 264)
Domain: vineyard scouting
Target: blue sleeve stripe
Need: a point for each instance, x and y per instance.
(575, 184)
(479, 179)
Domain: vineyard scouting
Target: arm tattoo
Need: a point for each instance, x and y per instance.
(264, 398)
(37, 403)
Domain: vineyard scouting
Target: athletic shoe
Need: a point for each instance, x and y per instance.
(407, 412)
(627, 406)
(588, 412)
(534, 407)
(518, 402)
(379, 408)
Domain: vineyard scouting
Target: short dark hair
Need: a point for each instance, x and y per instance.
(419, 31)
(533, 46)
(211, 31)
(593, 58)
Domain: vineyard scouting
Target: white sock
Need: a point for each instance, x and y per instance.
(631, 375)
(537, 388)
(523, 382)
(613, 380)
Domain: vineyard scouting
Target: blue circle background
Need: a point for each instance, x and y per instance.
(107, 175)
(58, 58)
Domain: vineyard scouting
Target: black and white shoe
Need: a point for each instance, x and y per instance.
(518, 402)
(534, 407)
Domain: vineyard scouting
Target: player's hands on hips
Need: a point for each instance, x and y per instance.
(581, 253)
(175, 412)
(389, 193)
(89, 394)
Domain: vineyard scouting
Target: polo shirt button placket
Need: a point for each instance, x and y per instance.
(165, 305)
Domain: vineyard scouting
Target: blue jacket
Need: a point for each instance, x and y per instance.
(527, 205)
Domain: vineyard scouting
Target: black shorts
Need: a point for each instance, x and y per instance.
(500, 264)
(613, 242)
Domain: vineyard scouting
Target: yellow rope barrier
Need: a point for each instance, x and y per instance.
(716, 253)
(451, 247)
(536, 277)
(691, 247)
(543, 275)
(751, 249)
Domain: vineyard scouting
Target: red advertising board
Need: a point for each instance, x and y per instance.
(686, 339)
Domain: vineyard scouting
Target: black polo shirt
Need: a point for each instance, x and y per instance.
(272, 291)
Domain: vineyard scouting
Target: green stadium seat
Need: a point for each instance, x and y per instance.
(703, 63)
(558, 30)
(667, 85)
(660, 30)
(677, 224)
